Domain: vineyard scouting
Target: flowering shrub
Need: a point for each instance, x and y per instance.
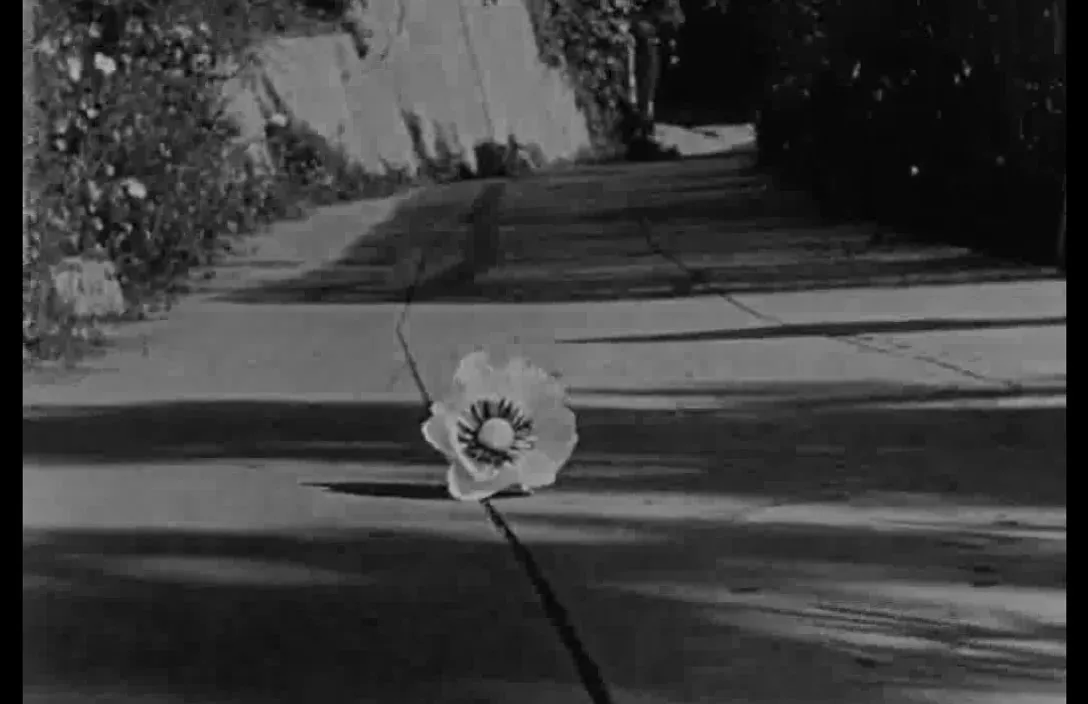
(589, 40)
(134, 152)
(136, 156)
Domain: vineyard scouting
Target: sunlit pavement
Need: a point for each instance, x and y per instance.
(863, 501)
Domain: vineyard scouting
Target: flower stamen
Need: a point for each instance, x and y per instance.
(494, 432)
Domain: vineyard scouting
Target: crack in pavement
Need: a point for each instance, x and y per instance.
(588, 671)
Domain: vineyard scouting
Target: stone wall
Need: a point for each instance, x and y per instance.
(464, 71)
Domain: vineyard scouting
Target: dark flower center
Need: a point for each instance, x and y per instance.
(472, 422)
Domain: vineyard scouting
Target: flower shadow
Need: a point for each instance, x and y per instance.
(412, 491)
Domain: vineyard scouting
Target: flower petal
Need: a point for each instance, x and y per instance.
(556, 437)
(536, 470)
(475, 377)
(465, 487)
(436, 431)
(556, 432)
(530, 385)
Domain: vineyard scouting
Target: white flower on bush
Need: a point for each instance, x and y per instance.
(75, 68)
(278, 120)
(134, 188)
(105, 64)
(94, 30)
(47, 47)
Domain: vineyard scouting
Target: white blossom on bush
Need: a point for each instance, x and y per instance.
(47, 47)
(75, 68)
(135, 188)
(105, 64)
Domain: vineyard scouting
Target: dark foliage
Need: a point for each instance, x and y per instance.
(948, 118)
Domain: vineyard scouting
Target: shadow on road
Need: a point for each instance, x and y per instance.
(411, 491)
(351, 617)
(855, 611)
(752, 438)
(580, 235)
(837, 329)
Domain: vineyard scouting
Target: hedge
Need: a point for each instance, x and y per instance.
(137, 161)
(946, 117)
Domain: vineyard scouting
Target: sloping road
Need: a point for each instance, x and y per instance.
(820, 488)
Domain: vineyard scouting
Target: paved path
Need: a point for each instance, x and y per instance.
(797, 482)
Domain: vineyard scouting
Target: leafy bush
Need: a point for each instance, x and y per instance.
(313, 172)
(132, 145)
(136, 156)
(588, 40)
(925, 115)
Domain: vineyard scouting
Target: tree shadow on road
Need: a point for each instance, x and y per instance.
(854, 614)
(581, 235)
(834, 329)
(750, 438)
(863, 540)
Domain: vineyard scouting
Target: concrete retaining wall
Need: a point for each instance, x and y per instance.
(465, 72)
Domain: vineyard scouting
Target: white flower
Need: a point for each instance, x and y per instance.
(47, 47)
(134, 188)
(501, 428)
(94, 30)
(914, 171)
(75, 68)
(105, 64)
(278, 120)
